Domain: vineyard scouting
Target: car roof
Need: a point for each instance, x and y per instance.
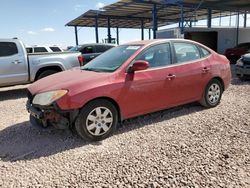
(148, 42)
(95, 44)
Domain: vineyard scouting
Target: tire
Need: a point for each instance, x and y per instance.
(46, 73)
(97, 120)
(212, 94)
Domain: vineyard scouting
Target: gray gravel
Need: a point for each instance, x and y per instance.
(188, 146)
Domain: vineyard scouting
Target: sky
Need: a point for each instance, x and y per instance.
(43, 22)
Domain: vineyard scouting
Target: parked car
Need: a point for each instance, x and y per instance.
(233, 54)
(91, 51)
(242, 67)
(18, 67)
(127, 81)
(42, 49)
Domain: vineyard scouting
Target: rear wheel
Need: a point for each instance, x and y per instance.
(97, 120)
(46, 73)
(212, 94)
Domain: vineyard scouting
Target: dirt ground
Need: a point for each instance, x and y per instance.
(187, 146)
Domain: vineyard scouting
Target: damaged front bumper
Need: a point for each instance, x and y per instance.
(45, 116)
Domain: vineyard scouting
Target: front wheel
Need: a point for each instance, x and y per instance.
(212, 94)
(97, 120)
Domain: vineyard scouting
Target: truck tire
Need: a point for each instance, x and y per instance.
(97, 120)
(46, 73)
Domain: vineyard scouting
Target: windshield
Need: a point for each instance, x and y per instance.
(111, 59)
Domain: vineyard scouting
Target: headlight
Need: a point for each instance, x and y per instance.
(47, 98)
(239, 62)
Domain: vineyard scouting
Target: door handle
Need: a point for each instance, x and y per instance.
(205, 70)
(171, 76)
(16, 62)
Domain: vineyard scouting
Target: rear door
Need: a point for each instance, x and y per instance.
(189, 73)
(13, 67)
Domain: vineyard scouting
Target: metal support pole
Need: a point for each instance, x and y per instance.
(154, 15)
(96, 30)
(76, 35)
(142, 30)
(182, 20)
(220, 20)
(245, 19)
(117, 35)
(149, 33)
(209, 18)
(230, 19)
(237, 30)
(109, 32)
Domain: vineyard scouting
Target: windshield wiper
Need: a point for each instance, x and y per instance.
(91, 69)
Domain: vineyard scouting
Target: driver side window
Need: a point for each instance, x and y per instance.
(157, 56)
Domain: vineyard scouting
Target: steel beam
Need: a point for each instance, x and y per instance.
(96, 30)
(245, 19)
(109, 32)
(182, 20)
(117, 35)
(76, 35)
(237, 29)
(142, 30)
(154, 18)
(209, 17)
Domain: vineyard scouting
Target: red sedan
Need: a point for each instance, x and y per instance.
(127, 81)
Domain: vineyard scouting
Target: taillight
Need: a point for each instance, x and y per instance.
(81, 60)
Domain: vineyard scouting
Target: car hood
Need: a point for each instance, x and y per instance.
(70, 80)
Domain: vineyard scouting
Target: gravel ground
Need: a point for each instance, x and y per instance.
(188, 146)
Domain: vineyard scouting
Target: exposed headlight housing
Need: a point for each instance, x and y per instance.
(240, 62)
(47, 98)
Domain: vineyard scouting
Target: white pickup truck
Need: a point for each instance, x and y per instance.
(17, 67)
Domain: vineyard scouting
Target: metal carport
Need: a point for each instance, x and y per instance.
(151, 14)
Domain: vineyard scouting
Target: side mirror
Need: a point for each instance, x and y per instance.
(139, 65)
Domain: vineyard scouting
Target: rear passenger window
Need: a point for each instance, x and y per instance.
(186, 52)
(100, 48)
(205, 52)
(29, 50)
(8, 49)
(55, 49)
(87, 50)
(40, 49)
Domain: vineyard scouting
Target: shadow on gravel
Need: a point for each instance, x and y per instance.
(12, 94)
(25, 142)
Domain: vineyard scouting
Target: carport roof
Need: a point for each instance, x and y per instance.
(131, 13)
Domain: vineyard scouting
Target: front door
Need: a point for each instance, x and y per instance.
(145, 90)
